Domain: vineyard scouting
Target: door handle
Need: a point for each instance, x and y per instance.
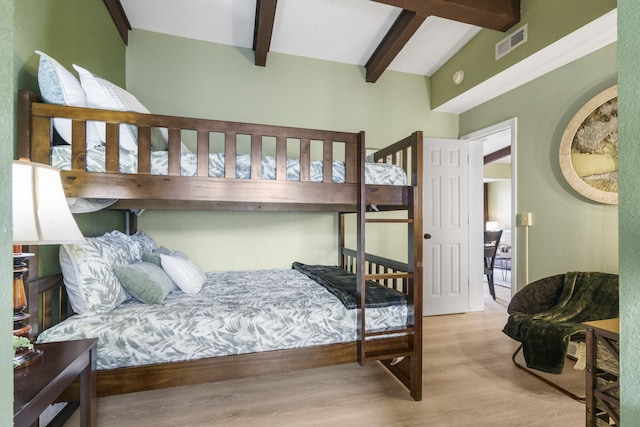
(427, 236)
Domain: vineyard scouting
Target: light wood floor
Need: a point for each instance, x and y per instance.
(469, 380)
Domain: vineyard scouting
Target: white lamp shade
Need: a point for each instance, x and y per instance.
(41, 215)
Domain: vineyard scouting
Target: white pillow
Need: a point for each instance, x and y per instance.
(184, 273)
(105, 95)
(59, 86)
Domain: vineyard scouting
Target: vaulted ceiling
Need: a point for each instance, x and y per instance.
(414, 36)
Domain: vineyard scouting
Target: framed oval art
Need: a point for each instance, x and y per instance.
(589, 148)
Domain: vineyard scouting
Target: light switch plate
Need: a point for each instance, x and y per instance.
(526, 219)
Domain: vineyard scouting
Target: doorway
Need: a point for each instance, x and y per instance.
(497, 143)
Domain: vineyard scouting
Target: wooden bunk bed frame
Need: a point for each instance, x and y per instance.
(399, 350)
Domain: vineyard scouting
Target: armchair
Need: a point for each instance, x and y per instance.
(546, 314)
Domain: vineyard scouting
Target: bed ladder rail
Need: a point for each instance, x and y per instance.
(402, 349)
(391, 343)
(398, 349)
(400, 342)
(404, 346)
(392, 353)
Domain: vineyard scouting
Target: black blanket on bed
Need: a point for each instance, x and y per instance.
(342, 284)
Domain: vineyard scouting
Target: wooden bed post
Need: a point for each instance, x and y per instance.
(47, 300)
(361, 208)
(416, 245)
(25, 99)
(412, 370)
(341, 238)
(409, 369)
(131, 220)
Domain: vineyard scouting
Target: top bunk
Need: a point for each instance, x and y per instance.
(235, 166)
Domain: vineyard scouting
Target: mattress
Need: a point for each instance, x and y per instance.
(375, 173)
(234, 313)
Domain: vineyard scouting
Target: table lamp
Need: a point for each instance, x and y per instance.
(492, 226)
(41, 216)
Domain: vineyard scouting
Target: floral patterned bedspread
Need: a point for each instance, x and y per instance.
(375, 173)
(234, 313)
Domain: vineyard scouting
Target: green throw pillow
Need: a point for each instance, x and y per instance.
(145, 281)
(154, 257)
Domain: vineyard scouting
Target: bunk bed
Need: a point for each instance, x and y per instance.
(398, 349)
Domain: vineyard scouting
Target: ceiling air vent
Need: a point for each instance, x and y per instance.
(506, 45)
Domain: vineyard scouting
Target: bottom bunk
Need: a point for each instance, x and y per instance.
(239, 324)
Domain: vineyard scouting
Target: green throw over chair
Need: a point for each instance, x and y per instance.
(548, 313)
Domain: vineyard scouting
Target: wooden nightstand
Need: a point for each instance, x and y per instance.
(37, 386)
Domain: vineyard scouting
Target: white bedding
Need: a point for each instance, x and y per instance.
(234, 313)
(375, 173)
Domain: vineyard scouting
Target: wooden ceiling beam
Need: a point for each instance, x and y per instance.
(497, 15)
(498, 154)
(396, 38)
(119, 18)
(263, 29)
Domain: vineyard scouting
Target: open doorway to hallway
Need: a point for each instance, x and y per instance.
(499, 197)
(497, 200)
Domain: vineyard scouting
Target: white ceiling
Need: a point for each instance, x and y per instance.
(346, 31)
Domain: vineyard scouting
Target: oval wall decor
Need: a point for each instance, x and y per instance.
(589, 148)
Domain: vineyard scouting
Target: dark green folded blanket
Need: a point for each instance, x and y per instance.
(545, 336)
(342, 284)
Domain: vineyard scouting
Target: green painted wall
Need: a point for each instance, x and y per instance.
(499, 202)
(629, 178)
(178, 76)
(569, 232)
(7, 90)
(547, 20)
(497, 171)
(199, 79)
(72, 31)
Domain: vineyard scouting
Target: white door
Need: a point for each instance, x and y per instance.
(446, 221)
